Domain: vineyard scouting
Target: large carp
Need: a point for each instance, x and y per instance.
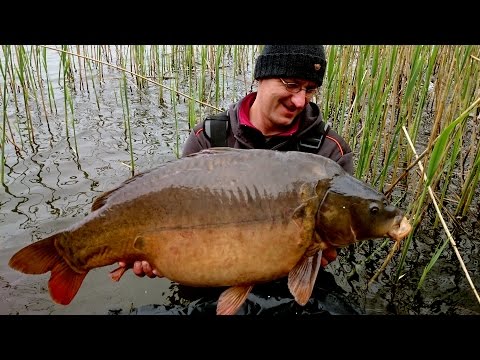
(221, 217)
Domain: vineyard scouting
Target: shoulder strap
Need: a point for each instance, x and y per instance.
(313, 139)
(216, 127)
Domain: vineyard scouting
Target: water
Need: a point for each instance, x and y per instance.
(51, 187)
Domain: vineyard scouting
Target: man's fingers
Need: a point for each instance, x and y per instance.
(147, 269)
(324, 262)
(328, 255)
(141, 268)
(138, 269)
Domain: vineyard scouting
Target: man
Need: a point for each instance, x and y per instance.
(278, 116)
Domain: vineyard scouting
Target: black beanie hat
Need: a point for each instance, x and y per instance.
(306, 62)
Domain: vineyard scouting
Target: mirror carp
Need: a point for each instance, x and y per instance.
(222, 217)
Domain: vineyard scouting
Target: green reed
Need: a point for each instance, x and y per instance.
(458, 95)
(240, 69)
(173, 99)
(236, 70)
(51, 95)
(138, 64)
(192, 85)
(99, 52)
(202, 78)
(391, 87)
(438, 157)
(218, 61)
(5, 69)
(469, 164)
(192, 113)
(10, 61)
(82, 72)
(36, 52)
(471, 183)
(21, 71)
(84, 64)
(4, 120)
(368, 90)
(159, 70)
(126, 120)
(93, 84)
(65, 64)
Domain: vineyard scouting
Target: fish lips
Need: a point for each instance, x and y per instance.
(397, 233)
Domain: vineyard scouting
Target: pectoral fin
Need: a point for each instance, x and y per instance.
(231, 299)
(302, 277)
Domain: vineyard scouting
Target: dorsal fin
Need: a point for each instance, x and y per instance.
(102, 199)
(215, 150)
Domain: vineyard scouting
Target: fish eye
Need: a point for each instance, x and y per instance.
(374, 209)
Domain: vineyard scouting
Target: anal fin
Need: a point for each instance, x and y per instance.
(64, 283)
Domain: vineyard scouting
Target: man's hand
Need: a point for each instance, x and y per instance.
(328, 255)
(142, 268)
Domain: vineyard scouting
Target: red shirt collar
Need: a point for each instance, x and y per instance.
(244, 117)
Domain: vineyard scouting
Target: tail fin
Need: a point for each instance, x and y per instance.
(42, 256)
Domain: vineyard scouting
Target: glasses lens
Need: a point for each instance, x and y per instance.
(293, 87)
(296, 88)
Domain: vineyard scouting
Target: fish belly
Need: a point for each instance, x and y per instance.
(228, 255)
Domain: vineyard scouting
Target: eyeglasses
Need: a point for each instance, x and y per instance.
(296, 88)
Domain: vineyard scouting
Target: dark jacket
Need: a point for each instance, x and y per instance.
(245, 137)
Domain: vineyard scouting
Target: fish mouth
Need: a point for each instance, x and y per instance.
(400, 231)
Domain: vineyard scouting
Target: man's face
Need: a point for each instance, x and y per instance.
(282, 99)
